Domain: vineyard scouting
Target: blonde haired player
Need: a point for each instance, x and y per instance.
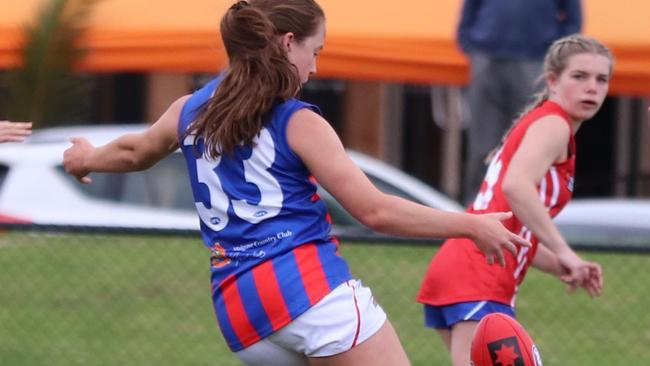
(532, 174)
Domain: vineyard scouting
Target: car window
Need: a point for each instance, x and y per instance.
(3, 173)
(341, 217)
(165, 185)
(389, 188)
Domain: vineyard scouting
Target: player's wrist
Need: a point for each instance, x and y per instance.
(471, 229)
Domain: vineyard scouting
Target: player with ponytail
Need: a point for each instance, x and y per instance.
(282, 293)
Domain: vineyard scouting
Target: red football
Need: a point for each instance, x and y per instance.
(500, 340)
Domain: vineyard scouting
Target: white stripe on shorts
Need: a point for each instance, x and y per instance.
(475, 310)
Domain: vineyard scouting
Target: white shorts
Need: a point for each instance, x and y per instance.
(343, 319)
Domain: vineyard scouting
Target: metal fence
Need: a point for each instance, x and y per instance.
(72, 297)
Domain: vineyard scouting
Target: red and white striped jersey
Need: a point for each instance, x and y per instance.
(459, 271)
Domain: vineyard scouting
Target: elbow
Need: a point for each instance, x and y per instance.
(518, 191)
(376, 210)
(141, 164)
(372, 221)
(376, 219)
(509, 188)
(137, 160)
(131, 163)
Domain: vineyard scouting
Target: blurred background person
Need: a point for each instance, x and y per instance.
(505, 41)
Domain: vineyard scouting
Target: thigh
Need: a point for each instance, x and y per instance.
(529, 74)
(265, 352)
(488, 102)
(382, 349)
(485, 92)
(461, 342)
(523, 82)
(445, 335)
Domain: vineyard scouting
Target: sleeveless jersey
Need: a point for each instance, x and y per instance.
(459, 271)
(272, 256)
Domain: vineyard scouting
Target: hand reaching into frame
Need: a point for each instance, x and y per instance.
(14, 131)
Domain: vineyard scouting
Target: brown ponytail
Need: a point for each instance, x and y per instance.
(259, 75)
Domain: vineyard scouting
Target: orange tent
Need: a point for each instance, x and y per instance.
(367, 39)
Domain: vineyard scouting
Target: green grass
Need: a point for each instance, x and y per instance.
(112, 300)
(144, 300)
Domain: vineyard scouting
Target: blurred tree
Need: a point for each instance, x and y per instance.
(45, 89)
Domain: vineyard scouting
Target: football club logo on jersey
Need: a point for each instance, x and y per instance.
(218, 256)
(506, 352)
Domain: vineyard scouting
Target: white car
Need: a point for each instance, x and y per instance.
(35, 189)
(615, 221)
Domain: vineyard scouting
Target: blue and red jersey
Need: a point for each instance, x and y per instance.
(272, 256)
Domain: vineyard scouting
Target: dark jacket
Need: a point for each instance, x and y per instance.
(516, 29)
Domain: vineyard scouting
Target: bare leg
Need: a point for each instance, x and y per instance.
(382, 349)
(445, 334)
(461, 342)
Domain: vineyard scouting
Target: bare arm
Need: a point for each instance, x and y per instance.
(546, 261)
(545, 143)
(14, 131)
(313, 139)
(129, 152)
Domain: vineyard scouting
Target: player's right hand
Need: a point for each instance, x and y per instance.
(74, 157)
(491, 237)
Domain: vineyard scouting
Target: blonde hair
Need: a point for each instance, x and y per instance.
(555, 62)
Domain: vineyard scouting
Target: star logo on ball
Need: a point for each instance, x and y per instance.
(506, 355)
(506, 352)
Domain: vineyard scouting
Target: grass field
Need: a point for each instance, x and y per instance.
(144, 300)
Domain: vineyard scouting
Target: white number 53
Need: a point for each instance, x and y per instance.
(255, 172)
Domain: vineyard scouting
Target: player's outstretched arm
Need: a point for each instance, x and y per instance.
(127, 153)
(314, 140)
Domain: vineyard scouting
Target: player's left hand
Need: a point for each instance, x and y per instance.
(592, 279)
